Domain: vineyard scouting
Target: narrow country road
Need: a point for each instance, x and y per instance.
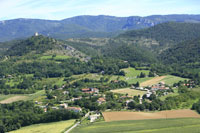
(75, 125)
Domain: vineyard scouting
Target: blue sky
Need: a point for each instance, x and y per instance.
(60, 9)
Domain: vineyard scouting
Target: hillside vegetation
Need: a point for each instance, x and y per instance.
(167, 34)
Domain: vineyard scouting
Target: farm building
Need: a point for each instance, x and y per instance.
(101, 100)
(94, 117)
(75, 109)
(63, 106)
(90, 90)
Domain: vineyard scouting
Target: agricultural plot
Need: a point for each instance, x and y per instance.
(152, 81)
(179, 125)
(130, 92)
(132, 72)
(57, 57)
(52, 81)
(135, 80)
(117, 116)
(55, 127)
(13, 99)
(168, 79)
(4, 99)
(131, 75)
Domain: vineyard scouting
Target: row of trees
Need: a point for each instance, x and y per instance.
(19, 114)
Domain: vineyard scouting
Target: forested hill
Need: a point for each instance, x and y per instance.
(187, 52)
(167, 34)
(112, 47)
(40, 45)
(84, 26)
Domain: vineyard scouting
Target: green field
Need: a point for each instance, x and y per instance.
(170, 80)
(130, 92)
(140, 80)
(57, 57)
(170, 95)
(183, 125)
(3, 97)
(131, 72)
(55, 127)
(35, 97)
(52, 81)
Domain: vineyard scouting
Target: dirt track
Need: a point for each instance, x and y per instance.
(117, 116)
(152, 81)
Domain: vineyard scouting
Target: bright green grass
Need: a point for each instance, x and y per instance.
(140, 80)
(131, 72)
(36, 96)
(186, 125)
(170, 80)
(52, 81)
(58, 57)
(54, 127)
(130, 92)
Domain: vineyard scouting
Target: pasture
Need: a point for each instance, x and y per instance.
(168, 79)
(117, 116)
(130, 92)
(54, 127)
(57, 57)
(179, 125)
(4, 99)
(13, 99)
(132, 72)
(152, 81)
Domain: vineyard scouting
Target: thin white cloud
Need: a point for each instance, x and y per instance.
(60, 9)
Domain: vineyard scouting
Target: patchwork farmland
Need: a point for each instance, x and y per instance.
(117, 116)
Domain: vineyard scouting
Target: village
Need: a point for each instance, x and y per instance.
(101, 99)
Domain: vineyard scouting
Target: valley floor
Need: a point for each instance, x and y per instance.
(117, 116)
(181, 125)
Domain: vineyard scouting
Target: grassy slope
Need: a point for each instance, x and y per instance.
(55, 127)
(36, 96)
(58, 57)
(131, 72)
(130, 92)
(170, 95)
(159, 125)
(170, 79)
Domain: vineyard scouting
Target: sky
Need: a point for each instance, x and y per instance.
(61, 9)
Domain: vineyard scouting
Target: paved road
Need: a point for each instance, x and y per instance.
(75, 125)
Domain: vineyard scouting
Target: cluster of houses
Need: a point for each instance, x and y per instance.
(94, 91)
(62, 106)
(190, 84)
(90, 90)
(152, 89)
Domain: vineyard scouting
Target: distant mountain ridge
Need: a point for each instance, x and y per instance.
(84, 26)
